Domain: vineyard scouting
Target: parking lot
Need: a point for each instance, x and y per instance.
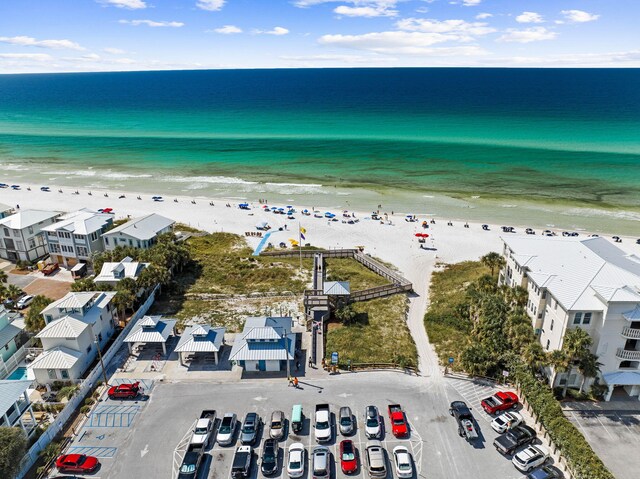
(147, 438)
(614, 436)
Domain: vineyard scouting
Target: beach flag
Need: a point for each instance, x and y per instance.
(302, 232)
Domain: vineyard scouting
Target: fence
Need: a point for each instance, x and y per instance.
(86, 386)
(14, 360)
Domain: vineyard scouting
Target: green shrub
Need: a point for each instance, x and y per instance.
(85, 409)
(90, 401)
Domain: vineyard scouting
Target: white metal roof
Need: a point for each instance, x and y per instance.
(10, 392)
(25, 218)
(79, 300)
(580, 274)
(337, 288)
(9, 332)
(4, 207)
(261, 333)
(82, 222)
(66, 327)
(58, 358)
(263, 344)
(143, 228)
(200, 338)
(151, 330)
(132, 269)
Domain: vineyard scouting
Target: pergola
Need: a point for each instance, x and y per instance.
(200, 339)
(151, 330)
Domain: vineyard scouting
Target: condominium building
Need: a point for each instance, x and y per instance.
(21, 236)
(590, 284)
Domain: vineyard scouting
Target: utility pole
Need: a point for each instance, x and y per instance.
(104, 371)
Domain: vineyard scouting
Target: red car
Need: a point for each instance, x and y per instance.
(348, 458)
(398, 421)
(77, 463)
(125, 391)
(500, 401)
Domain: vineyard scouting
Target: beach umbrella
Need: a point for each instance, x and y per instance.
(265, 207)
(418, 235)
(274, 208)
(262, 225)
(289, 206)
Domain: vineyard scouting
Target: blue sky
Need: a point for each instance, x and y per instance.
(103, 35)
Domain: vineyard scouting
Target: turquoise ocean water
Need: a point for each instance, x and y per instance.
(544, 137)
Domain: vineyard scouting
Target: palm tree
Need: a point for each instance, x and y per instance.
(576, 347)
(13, 291)
(493, 261)
(589, 367)
(3, 277)
(560, 363)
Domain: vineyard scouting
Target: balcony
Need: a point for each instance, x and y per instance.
(629, 355)
(631, 333)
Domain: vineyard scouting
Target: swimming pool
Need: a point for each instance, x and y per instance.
(18, 375)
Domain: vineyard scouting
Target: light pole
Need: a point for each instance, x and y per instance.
(104, 371)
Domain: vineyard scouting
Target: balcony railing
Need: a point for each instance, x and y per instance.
(632, 333)
(622, 353)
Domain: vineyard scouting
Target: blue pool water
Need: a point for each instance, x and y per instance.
(18, 375)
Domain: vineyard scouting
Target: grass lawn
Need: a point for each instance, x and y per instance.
(378, 335)
(347, 269)
(446, 331)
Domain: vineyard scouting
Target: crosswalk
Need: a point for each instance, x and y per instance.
(113, 416)
(96, 451)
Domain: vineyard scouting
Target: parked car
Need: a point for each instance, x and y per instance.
(77, 463)
(505, 421)
(204, 428)
(399, 426)
(345, 421)
(125, 391)
(297, 419)
(466, 423)
(295, 460)
(227, 430)
(373, 429)
(276, 426)
(403, 463)
(250, 428)
(241, 466)
(500, 401)
(24, 301)
(376, 463)
(545, 472)
(323, 431)
(348, 458)
(321, 462)
(514, 438)
(530, 458)
(191, 462)
(269, 460)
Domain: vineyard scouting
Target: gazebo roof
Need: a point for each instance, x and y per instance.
(337, 288)
(200, 339)
(151, 329)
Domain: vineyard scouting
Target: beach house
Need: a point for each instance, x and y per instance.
(75, 236)
(589, 284)
(21, 236)
(75, 325)
(138, 233)
(265, 344)
(15, 406)
(112, 273)
(12, 337)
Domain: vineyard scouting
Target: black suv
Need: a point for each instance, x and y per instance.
(269, 463)
(466, 422)
(514, 438)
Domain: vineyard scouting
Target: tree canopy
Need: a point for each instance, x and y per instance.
(13, 445)
(34, 320)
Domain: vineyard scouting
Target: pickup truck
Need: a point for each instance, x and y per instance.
(50, 269)
(500, 401)
(191, 462)
(399, 426)
(514, 438)
(204, 428)
(323, 423)
(241, 467)
(464, 418)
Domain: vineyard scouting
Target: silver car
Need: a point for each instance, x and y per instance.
(276, 426)
(376, 463)
(320, 462)
(345, 421)
(227, 430)
(372, 427)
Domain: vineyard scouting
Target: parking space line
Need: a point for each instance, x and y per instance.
(577, 421)
(604, 427)
(97, 451)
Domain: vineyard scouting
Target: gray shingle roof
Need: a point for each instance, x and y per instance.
(143, 228)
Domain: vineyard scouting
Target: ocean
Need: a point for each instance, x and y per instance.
(445, 140)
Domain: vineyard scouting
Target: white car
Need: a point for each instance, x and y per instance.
(530, 457)
(506, 421)
(24, 301)
(295, 461)
(372, 428)
(402, 461)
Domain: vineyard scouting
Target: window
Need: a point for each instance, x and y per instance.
(551, 328)
(32, 243)
(544, 294)
(54, 248)
(64, 374)
(30, 229)
(16, 233)
(20, 245)
(89, 348)
(106, 240)
(548, 343)
(6, 232)
(52, 374)
(587, 318)
(82, 251)
(577, 318)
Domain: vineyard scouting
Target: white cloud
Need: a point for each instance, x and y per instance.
(32, 42)
(366, 11)
(529, 17)
(36, 57)
(128, 4)
(210, 5)
(579, 16)
(457, 27)
(401, 43)
(471, 3)
(276, 31)
(228, 30)
(533, 34)
(114, 51)
(482, 16)
(152, 23)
